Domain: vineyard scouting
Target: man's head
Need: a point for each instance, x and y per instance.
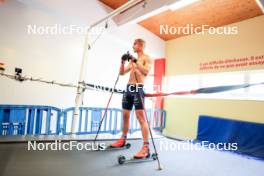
(139, 45)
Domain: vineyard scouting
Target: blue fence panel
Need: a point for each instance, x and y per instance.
(90, 118)
(47, 120)
(29, 120)
(159, 121)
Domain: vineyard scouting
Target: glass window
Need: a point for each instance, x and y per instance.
(224, 79)
(255, 78)
(192, 82)
(182, 83)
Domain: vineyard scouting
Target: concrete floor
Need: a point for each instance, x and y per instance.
(16, 160)
(85, 137)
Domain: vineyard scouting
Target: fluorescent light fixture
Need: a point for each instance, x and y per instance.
(180, 4)
(260, 4)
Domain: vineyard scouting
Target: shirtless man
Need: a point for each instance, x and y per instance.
(134, 96)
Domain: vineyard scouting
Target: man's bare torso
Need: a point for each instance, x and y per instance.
(136, 76)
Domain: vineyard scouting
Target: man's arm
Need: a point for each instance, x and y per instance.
(144, 69)
(123, 70)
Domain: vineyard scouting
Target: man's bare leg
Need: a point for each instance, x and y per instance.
(143, 124)
(145, 134)
(126, 118)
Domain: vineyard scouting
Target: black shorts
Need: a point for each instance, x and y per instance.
(133, 96)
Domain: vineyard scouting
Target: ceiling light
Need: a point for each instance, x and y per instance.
(260, 4)
(180, 4)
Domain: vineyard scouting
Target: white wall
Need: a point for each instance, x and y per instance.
(58, 57)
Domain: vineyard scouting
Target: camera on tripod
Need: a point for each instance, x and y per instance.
(18, 74)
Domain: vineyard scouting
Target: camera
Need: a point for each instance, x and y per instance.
(18, 71)
(18, 74)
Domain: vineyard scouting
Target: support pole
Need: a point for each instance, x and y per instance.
(82, 77)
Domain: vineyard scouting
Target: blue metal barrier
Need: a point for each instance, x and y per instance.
(90, 119)
(46, 120)
(29, 120)
(159, 121)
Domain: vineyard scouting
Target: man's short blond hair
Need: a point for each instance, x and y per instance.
(141, 41)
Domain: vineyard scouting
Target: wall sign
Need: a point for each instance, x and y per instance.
(232, 63)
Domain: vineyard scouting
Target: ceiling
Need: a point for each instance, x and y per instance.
(210, 12)
(114, 4)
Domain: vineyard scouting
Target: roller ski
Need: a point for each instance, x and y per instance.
(122, 159)
(117, 145)
(142, 156)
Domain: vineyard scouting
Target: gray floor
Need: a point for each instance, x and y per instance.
(16, 160)
(23, 138)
